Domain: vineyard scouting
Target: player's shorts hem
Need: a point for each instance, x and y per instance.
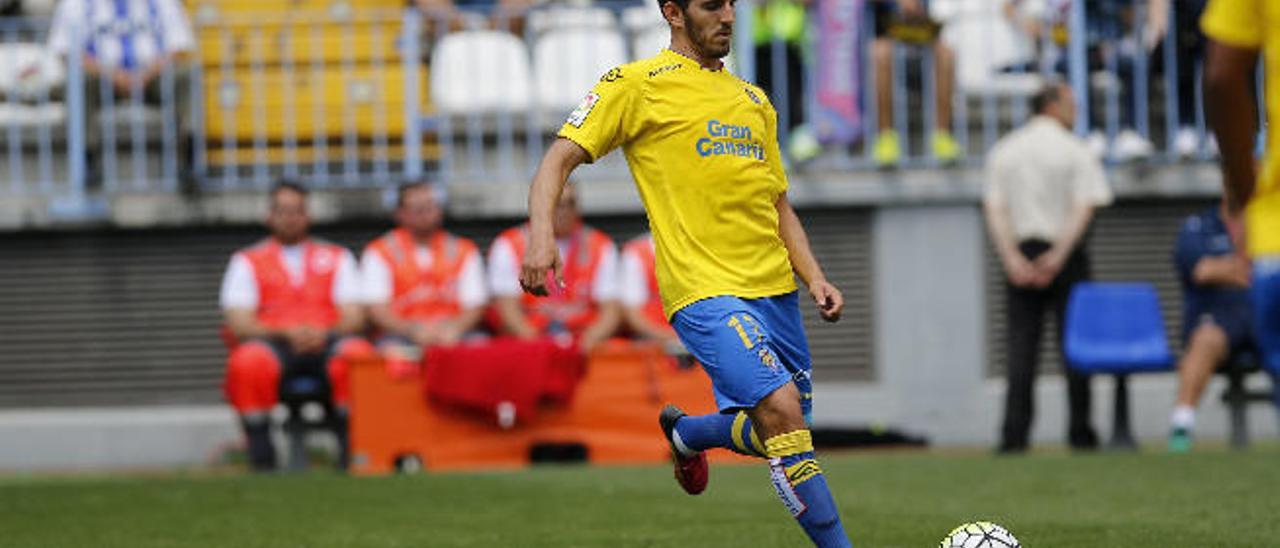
(754, 400)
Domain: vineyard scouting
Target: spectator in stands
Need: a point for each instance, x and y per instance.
(1189, 42)
(293, 305)
(584, 307)
(1110, 31)
(638, 292)
(910, 20)
(125, 48)
(454, 15)
(1042, 187)
(785, 21)
(424, 286)
(1217, 318)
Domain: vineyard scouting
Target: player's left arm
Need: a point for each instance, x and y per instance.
(829, 300)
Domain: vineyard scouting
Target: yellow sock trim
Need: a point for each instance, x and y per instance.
(739, 420)
(791, 443)
(755, 443)
(803, 471)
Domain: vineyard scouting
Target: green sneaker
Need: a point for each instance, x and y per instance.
(1179, 440)
(887, 150)
(945, 148)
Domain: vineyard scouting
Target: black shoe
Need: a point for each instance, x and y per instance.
(262, 453)
(1083, 440)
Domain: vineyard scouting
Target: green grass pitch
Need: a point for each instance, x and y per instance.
(1209, 498)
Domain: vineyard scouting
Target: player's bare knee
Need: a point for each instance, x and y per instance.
(778, 413)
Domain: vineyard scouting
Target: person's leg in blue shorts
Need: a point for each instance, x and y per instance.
(1266, 317)
(753, 350)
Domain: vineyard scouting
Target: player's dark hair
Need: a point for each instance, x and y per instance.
(410, 185)
(288, 185)
(1047, 95)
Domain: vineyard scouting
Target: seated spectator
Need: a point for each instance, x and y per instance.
(638, 292)
(1110, 32)
(293, 304)
(424, 286)
(454, 15)
(585, 308)
(1189, 47)
(1217, 321)
(910, 14)
(785, 21)
(125, 47)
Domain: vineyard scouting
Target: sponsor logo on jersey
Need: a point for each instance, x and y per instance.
(665, 68)
(729, 140)
(613, 75)
(579, 115)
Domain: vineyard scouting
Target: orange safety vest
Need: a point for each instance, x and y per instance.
(573, 306)
(641, 247)
(282, 304)
(424, 294)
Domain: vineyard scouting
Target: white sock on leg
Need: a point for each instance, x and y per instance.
(1184, 416)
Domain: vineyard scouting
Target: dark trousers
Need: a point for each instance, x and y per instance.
(793, 75)
(1026, 309)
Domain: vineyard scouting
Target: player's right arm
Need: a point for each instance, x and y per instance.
(1235, 31)
(561, 159)
(606, 118)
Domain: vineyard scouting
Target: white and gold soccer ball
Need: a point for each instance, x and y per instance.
(979, 534)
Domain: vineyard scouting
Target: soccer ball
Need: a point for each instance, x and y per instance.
(979, 534)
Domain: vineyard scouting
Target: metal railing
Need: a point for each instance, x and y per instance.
(367, 97)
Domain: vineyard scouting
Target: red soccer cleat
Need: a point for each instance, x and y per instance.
(691, 472)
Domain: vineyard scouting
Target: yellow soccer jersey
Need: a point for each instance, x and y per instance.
(1256, 24)
(703, 149)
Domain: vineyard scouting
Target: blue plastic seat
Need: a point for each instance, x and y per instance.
(1115, 328)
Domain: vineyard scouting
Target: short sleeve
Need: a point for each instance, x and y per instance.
(67, 13)
(605, 285)
(376, 278)
(606, 118)
(1234, 22)
(1089, 186)
(472, 291)
(994, 178)
(346, 281)
(239, 286)
(504, 272)
(633, 282)
(178, 35)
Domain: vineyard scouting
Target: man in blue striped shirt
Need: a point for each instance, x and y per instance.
(124, 47)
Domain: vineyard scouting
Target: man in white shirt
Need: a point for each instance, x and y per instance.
(1043, 185)
(293, 306)
(424, 286)
(125, 49)
(585, 308)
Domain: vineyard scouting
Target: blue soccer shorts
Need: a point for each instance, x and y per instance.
(1266, 309)
(749, 348)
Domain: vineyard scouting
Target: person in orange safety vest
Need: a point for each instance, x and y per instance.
(292, 306)
(585, 308)
(424, 286)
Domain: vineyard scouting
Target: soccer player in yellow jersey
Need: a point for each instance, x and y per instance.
(1239, 30)
(702, 146)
